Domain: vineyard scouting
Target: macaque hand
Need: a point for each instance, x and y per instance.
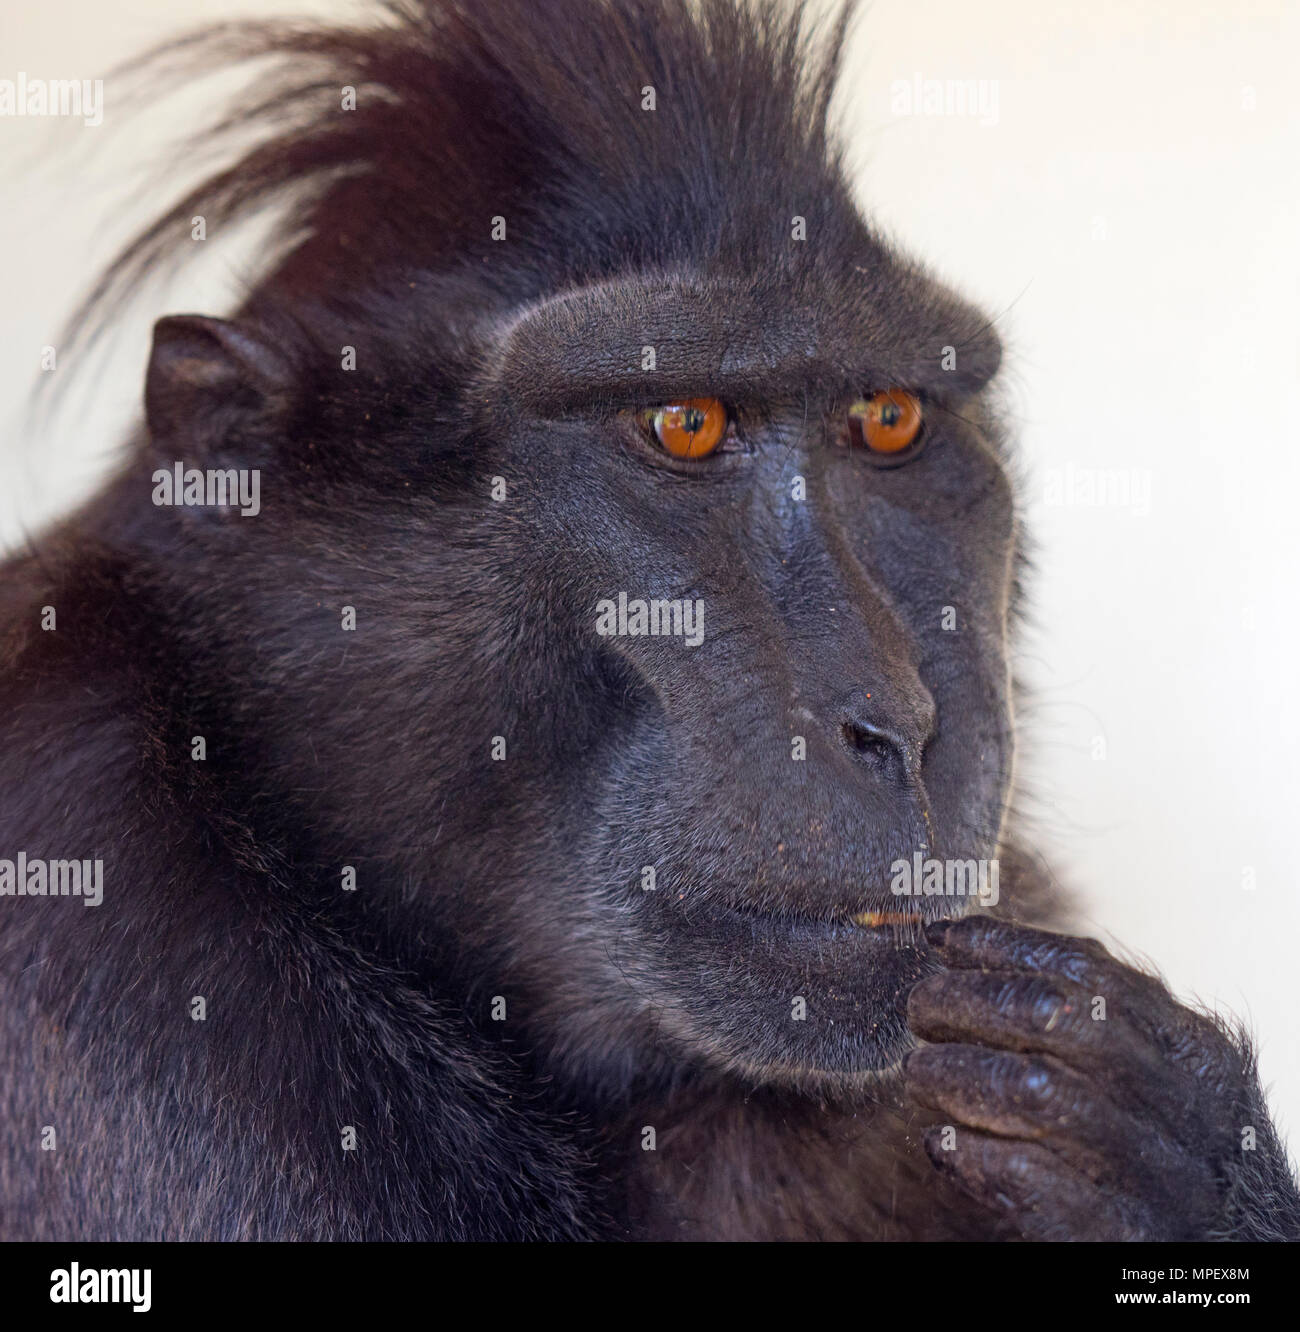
(1076, 1098)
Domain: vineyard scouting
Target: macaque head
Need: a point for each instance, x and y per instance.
(669, 508)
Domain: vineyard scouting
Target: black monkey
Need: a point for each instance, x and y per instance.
(438, 901)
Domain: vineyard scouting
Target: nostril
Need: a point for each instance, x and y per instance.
(877, 747)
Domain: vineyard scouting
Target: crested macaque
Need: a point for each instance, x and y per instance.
(495, 694)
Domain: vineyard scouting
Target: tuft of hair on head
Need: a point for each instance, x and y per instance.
(392, 147)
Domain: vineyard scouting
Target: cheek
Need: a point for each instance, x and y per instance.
(937, 533)
(946, 574)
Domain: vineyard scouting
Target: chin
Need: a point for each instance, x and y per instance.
(794, 1002)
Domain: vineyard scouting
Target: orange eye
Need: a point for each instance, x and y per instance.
(886, 422)
(692, 428)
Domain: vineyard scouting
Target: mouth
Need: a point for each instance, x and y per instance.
(875, 920)
(848, 966)
(876, 924)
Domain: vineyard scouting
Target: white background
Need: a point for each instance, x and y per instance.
(1131, 218)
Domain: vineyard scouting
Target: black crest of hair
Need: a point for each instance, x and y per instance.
(432, 910)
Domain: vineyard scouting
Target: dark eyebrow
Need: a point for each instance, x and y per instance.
(639, 341)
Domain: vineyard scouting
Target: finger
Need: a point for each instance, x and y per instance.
(1021, 1011)
(1037, 1098)
(983, 942)
(1012, 1095)
(1029, 1187)
(1032, 1099)
(1181, 1037)
(1043, 1014)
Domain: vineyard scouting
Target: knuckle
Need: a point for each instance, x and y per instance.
(1040, 1004)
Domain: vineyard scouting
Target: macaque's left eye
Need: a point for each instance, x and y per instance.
(886, 424)
(692, 428)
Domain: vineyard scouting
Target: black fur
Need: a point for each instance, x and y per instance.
(521, 879)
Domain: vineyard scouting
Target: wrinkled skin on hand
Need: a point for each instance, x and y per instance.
(1075, 1098)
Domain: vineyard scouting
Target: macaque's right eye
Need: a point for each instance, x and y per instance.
(692, 428)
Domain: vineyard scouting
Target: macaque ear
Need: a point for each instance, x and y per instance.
(211, 383)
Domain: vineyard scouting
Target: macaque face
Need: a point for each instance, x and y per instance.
(681, 836)
(679, 387)
(837, 701)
